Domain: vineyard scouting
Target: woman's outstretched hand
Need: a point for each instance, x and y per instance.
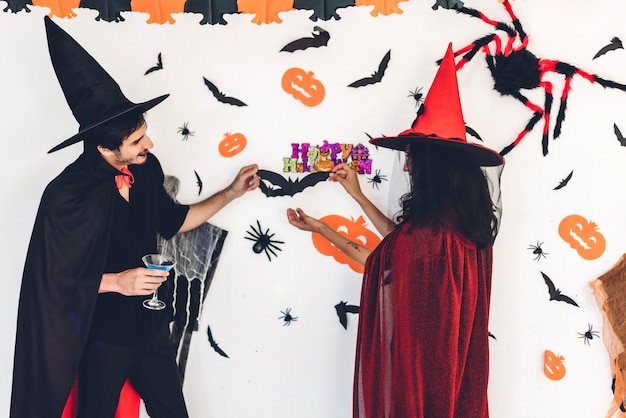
(302, 221)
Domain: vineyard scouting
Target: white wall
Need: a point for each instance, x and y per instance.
(305, 369)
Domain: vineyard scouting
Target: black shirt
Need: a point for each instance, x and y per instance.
(120, 319)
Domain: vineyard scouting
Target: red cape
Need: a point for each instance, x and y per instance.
(422, 348)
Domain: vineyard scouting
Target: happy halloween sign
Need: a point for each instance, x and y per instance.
(307, 158)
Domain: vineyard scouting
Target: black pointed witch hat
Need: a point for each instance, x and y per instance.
(92, 94)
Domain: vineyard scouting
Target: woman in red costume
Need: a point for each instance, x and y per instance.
(422, 347)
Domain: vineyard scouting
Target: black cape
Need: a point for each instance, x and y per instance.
(62, 273)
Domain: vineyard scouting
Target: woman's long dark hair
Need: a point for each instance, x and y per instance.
(445, 183)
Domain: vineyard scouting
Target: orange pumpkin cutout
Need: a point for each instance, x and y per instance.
(355, 231)
(265, 11)
(160, 11)
(60, 8)
(232, 144)
(303, 86)
(383, 7)
(582, 235)
(553, 366)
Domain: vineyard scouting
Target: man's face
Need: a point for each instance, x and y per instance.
(134, 148)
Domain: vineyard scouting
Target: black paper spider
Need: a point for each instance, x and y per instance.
(513, 68)
(417, 95)
(538, 251)
(185, 132)
(588, 335)
(287, 317)
(263, 241)
(377, 179)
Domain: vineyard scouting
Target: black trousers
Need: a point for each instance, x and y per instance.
(151, 368)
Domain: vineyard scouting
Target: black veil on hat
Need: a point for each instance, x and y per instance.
(92, 94)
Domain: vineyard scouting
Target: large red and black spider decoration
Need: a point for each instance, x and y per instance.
(514, 68)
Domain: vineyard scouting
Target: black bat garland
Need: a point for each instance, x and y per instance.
(615, 43)
(158, 66)
(555, 294)
(214, 345)
(221, 97)
(320, 38)
(281, 186)
(377, 76)
(343, 309)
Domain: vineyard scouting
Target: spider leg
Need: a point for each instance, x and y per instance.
(269, 248)
(470, 50)
(478, 14)
(257, 232)
(529, 126)
(516, 24)
(252, 237)
(561, 115)
(569, 71)
(546, 115)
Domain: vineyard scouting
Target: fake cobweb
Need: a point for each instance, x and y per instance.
(196, 254)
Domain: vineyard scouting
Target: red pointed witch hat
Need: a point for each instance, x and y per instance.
(440, 120)
(92, 94)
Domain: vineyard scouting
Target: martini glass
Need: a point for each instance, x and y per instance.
(156, 262)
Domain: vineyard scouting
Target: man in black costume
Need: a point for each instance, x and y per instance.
(80, 311)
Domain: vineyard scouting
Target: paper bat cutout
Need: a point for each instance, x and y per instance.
(564, 182)
(473, 133)
(212, 11)
(616, 43)
(198, 182)
(619, 135)
(157, 67)
(492, 336)
(320, 38)
(287, 187)
(555, 294)
(343, 309)
(214, 345)
(377, 76)
(221, 97)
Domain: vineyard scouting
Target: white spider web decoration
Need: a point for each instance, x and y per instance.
(196, 254)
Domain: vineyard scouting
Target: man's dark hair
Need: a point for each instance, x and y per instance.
(111, 134)
(446, 183)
